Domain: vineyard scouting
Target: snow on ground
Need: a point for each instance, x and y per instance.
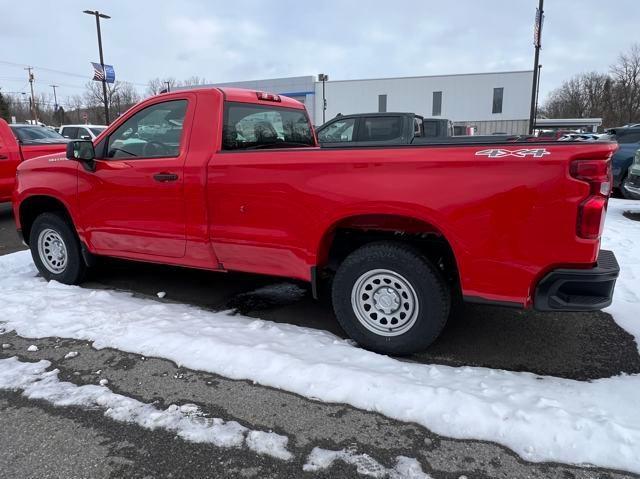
(540, 418)
(186, 421)
(269, 443)
(365, 465)
(622, 235)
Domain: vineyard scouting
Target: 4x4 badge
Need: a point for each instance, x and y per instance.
(501, 153)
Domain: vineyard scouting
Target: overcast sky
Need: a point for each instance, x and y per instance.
(246, 40)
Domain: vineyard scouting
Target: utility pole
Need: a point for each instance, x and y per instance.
(55, 97)
(98, 16)
(537, 42)
(55, 104)
(34, 113)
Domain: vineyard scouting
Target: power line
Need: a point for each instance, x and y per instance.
(62, 72)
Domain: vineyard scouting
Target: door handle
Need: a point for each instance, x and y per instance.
(3, 157)
(165, 177)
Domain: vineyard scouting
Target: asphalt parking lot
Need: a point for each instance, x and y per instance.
(42, 441)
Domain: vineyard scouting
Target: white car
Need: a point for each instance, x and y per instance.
(580, 137)
(81, 132)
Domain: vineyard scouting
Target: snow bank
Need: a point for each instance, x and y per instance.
(540, 418)
(622, 235)
(186, 421)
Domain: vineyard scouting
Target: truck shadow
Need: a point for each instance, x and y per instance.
(581, 346)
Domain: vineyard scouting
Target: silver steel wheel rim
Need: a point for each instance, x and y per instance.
(52, 251)
(384, 302)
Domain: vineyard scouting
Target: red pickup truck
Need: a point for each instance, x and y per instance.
(38, 141)
(228, 179)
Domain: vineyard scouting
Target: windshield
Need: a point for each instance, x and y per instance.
(34, 133)
(97, 130)
(249, 126)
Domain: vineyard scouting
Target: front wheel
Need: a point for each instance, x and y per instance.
(56, 250)
(389, 298)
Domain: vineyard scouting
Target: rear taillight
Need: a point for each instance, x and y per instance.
(597, 174)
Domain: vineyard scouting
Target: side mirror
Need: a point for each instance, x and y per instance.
(82, 151)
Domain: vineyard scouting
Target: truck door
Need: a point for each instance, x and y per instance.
(9, 160)
(134, 200)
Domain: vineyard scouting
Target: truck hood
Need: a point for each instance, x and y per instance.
(46, 159)
(33, 150)
(46, 141)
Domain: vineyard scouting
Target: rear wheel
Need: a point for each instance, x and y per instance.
(56, 250)
(389, 298)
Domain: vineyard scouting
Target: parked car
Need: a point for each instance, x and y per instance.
(19, 143)
(631, 185)
(397, 234)
(35, 134)
(363, 129)
(628, 139)
(82, 132)
(580, 137)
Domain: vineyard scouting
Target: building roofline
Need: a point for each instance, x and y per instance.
(568, 121)
(430, 76)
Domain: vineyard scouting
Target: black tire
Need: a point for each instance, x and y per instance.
(75, 268)
(432, 295)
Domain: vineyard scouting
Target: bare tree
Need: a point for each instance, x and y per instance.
(124, 98)
(156, 85)
(193, 81)
(626, 73)
(120, 95)
(76, 103)
(613, 96)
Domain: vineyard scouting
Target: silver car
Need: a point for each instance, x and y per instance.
(632, 183)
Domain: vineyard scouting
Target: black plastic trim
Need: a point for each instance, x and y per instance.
(21, 236)
(579, 289)
(314, 282)
(492, 302)
(87, 256)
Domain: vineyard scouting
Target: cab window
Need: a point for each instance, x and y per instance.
(338, 131)
(70, 132)
(153, 132)
(248, 126)
(382, 128)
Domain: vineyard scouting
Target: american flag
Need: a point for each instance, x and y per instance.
(98, 72)
(537, 28)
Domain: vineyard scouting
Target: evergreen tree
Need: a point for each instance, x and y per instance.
(4, 108)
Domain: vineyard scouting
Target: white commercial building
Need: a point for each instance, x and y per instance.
(487, 102)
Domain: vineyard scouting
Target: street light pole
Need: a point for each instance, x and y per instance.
(537, 41)
(98, 16)
(323, 78)
(537, 91)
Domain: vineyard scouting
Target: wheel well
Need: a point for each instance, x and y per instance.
(352, 233)
(34, 206)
